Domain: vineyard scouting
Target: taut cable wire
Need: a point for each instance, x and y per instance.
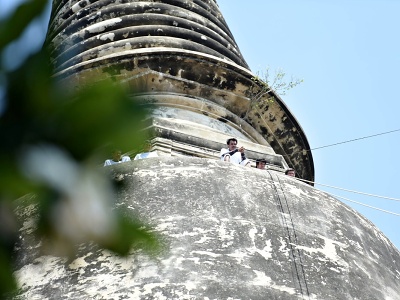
(359, 203)
(366, 205)
(351, 191)
(344, 142)
(361, 138)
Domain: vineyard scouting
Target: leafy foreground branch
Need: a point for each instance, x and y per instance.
(53, 141)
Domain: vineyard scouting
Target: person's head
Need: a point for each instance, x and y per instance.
(116, 155)
(260, 163)
(232, 144)
(290, 172)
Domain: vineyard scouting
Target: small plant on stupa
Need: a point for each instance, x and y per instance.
(267, 85)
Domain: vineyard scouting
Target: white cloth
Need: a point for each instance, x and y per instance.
(110, 162)
(235, 158)
(145, 155)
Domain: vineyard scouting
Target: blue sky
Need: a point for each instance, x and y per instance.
(348, 54)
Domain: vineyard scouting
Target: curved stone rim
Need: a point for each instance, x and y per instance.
(288, 139)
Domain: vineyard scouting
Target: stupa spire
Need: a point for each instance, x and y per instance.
(78, 33)
(182, 56)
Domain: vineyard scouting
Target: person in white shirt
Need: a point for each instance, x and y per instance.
(144, 155)
(234, 154)
(116, 158)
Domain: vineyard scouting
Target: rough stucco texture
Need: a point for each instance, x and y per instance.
(231, 233)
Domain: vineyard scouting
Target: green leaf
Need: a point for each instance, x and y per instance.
(7, 280)
(133, 235)
(12, 27)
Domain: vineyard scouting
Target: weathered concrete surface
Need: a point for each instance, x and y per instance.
(77, 28)
(231, 233)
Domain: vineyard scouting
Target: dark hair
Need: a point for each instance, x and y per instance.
(260, 160)
(231, 139)
(287, 171)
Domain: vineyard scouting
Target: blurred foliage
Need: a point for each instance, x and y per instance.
(13, 26)
(53, 142)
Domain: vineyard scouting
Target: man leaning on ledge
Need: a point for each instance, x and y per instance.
(234, 154)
